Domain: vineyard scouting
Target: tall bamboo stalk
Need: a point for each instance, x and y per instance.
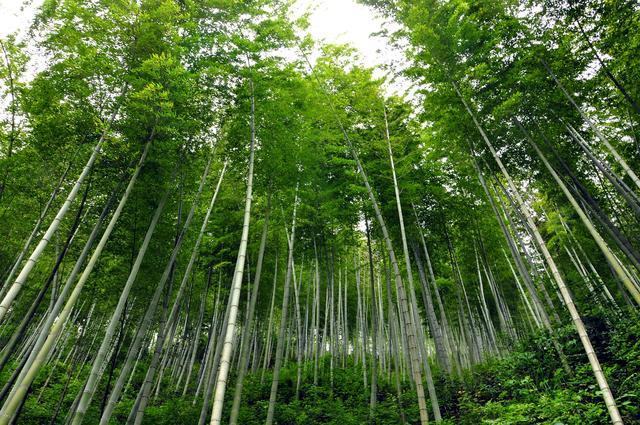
(566, 295)
(15, 288)
(283, 317)
(604, 248)
(98, 363)
(234, 298)
(248, 328)
(145, 323)
(16, 399)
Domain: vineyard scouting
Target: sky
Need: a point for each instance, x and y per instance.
(13, 17)
(332, 21)
(346, 21)
(335, 21)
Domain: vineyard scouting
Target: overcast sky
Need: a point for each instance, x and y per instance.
(345, 21)
(13, 18)
(333, 21)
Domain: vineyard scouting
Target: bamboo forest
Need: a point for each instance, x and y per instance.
(209, 215)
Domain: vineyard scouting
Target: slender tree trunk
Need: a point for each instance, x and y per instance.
(13, 112)
(568, 300)
(604, 248)
(15, 288)
(296, 294)
(593, 127)
(395, 345)
(267, 352)
(172, 319)
(523, 246)
(35, 230)
(621, 187)
(515, 254)
(430, 386)
(137, 411)
(374, 324)
(211, 361)
(97, 367)
(19, 373)
(234, 297)
(410, 325)
(611, 77)
(436, 331)
(114, 355)
(316, 325)
(248, 328)
(15, 400)
(196, 336)
(28, 317)
(283, 318)
(443, 316)
(150, 312)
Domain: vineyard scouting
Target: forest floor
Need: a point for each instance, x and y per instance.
(526, 386)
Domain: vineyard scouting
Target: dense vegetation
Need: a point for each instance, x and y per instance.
(208, 217)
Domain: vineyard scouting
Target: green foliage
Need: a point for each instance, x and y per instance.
(526, 386)
(529, 385)
(202, 78)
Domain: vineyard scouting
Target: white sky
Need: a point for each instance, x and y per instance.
(345, 21)
(13, 17)
(331, 21)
